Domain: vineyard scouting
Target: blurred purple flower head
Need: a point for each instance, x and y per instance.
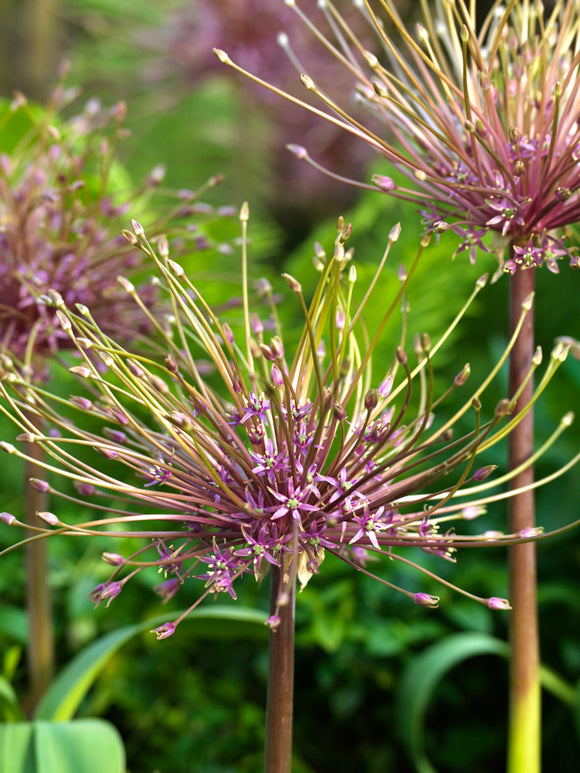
(63, 202)
(255, 467)
(483, 121)
(268, 39)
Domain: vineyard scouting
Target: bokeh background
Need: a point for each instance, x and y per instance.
(200, 696)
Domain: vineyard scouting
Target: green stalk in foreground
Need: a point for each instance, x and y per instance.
(524, 732)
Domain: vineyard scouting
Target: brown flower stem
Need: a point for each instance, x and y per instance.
(279, 705)
(524, 735)
(38, 602)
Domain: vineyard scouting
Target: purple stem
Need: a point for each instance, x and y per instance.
(279, 705)
(524, 738)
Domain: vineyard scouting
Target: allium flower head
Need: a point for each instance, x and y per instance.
(288, 451)
(63, 196)
(484, 121)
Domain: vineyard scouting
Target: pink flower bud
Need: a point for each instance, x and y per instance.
(496, 603)
(164, 631)
(425, 600)
(49, 518)
(39, 485)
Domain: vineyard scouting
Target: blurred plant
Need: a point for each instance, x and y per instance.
(485, 126)
(62, 200)
(272, 460)
(258, 32)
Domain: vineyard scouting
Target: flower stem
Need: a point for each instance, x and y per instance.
(279, 705)
(40, 628)
(524, 736)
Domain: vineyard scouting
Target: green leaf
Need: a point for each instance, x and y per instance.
(421, 679)
(576, 709)
(425, 671)
(82, 746)
(14, 623)
(9, 708)
(68, 690)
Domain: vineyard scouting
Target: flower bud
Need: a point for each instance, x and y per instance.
(164, 631)
(293, 284)
(298, 150)
(176, 268)
(138, 229)
(497, 603)
(484, 472)
(425, 600)
(502, 408)
(85, 489)
(39, 485)
(463, 375)
(50, 518)
(386, 386)
(81, 402)
(531, 532)
(276, 376)
(114, 559)
(371, 400)
(384, 183)
(64, 321)
(257, 326)
(80, 370)
(273, 622)
(171, 365)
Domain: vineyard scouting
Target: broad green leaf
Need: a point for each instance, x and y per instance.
(70, 687)
(421, 679)
(82, 746)
(425, 671)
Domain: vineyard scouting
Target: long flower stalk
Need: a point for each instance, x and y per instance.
(524, 728)
(280, 700)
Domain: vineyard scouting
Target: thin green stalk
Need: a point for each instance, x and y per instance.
(524, 733)
(279, 706)
(38, 601)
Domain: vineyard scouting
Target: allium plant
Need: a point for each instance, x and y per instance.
(63, 197)
(484, 123)
(286, 452)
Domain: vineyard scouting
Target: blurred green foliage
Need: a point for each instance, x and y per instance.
(203, 698)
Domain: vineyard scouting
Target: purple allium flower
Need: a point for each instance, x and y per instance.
(235, 497)
(63, 198)
(484, 122)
